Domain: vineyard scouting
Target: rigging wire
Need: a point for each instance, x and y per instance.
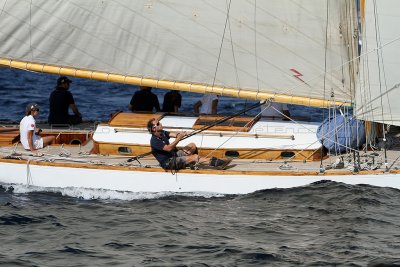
(233, 53)
(379, 40)
(222, 43)
(321, 167)
(366, 95)
(255, 49)
(3, 8)
(255, 45)
(234, 57)
(379, 59)
(236, 133)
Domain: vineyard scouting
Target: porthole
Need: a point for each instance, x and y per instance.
(75, 142)
(124, 150)
(287, 154)
(232, 154)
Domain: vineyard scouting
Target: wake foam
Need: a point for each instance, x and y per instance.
(104, 194)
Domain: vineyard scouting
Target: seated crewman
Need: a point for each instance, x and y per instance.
(172, 159)
(29, 135)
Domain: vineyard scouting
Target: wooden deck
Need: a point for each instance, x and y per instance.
(79, 156)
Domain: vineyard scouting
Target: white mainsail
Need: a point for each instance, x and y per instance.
(378, 93)
(295, 48)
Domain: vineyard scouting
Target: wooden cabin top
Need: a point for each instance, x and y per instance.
(236, 124)
(125, 119)
(139, 120)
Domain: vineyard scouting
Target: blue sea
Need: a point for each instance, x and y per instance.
(322, 224)
(97, 100)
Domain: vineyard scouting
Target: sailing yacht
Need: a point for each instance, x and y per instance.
(337, 55)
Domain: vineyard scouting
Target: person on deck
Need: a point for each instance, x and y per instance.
(167, 154)
(206, 105)
(29, 135)
(172, 101)
(275, 110)
(144, 100)
(61, 100)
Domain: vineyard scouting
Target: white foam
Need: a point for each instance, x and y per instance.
(89, 193)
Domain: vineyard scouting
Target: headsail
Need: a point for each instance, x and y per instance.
(239, 48)
(378, 93)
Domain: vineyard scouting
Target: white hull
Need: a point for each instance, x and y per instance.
(160, 181)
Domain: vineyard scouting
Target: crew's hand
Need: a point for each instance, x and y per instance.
(38, 131)
(179, 136)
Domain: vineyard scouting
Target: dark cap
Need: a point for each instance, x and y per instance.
(62, 80)
(30, 107)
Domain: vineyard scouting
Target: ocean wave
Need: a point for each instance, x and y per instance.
(102, 194)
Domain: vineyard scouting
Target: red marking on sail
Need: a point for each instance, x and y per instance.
(297, 75)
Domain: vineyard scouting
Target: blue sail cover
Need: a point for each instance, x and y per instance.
(341, 132)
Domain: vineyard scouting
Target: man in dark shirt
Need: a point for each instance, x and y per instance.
(167, 154)
(144, 100)
(60, 102)
(172, 101)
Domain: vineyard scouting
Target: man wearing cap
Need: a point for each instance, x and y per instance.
(60, 102)
(29, 135)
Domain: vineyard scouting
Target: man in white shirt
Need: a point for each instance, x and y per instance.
(275, 110)
(29, 136)
(206, 105)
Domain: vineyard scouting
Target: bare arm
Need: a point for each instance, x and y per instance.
(30, 140)
(214, 106)
(196, 107)
(75, 109)
(173, 145)
(175, 134)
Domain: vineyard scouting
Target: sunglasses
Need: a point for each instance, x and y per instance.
(155, 125)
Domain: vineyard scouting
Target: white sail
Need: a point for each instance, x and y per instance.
(378, 94)
(275, 46)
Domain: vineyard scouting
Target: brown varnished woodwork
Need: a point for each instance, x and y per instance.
(308, 155)
(7, 130)
(133, 119)
(200, 171)
(95, 149)
(67, 137)
(237, 124)
(9, 136)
